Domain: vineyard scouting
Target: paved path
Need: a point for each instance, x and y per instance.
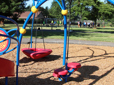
(82, 42)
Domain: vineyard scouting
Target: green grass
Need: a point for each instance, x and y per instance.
(100, 34)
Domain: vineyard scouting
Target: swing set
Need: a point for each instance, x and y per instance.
(5, 41)
(35, 53)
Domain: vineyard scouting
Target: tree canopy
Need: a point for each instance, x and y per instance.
(7, 7)
(84, 9)
(55, 10)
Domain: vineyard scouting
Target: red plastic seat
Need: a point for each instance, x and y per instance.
(36, 53)
(58, 72)
(74, 65)
(6, 68)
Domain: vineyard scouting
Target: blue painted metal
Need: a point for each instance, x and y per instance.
(27, 19)
(18, 49)
(9, 38)
(59, 4)
(17, 75)
(66, 76)
(9, 41)
(18, 46)
(111, 1)
(17, 57)
(12, 31)
(70, 71)
(1, 53)
(34, 2)
(32, 25)
(6, 80)
(8, 51)
(40, 3)
(10, 20)
(63, 4)
(32, 29)
(60, 79)
(66, 67)
(65, 34)
(4, 40)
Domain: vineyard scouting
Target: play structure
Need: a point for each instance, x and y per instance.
(35, 53)
(7, 66)
(111, 1)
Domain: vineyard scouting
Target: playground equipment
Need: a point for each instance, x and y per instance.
(111, 1)
(7, 66)
(60, 73)
(35, 53)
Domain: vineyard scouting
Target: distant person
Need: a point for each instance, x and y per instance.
(52, 22)
(84, 24)
(93, 24)
(43, 23)
(98, 24)
(60, 22)
(51, 25)
(80, 23)
(88, 24)
(63, 22)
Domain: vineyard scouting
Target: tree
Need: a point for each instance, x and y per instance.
(81, 8)
(28, 8)
(94, 12)
(44, 11)
(101, 10)
(106, 11)
(69, 6)
(8, 7)
(55, 10)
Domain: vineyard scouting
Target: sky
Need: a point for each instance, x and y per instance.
(47, 3)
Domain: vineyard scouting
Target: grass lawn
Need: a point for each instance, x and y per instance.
(90, 34)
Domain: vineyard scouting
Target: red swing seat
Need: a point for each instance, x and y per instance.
(36, 53)
(58, 72)
(74, 65)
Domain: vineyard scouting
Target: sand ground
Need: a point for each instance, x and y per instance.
(97, 65)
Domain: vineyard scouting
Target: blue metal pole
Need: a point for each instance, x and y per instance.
(20, 39)
(40, 3)
(65, 34)
(32, 29)
(111, 1)
(6, 80)
(17, 58)
(32, 26)
(33, 3)
(16, 74)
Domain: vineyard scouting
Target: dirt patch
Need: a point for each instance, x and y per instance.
(97, 66)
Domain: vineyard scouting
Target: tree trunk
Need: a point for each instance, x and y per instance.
(2, 22)
(95, 27)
